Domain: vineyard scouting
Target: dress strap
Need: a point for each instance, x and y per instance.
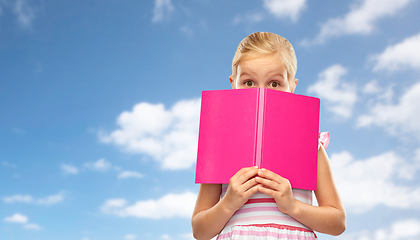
(324, 139)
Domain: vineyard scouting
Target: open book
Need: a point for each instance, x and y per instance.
(258, 127)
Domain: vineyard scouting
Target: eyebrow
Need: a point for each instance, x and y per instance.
(269, 73)
(246, 73)
(275, 74)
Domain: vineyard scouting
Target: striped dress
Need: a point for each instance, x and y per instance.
(260, 219)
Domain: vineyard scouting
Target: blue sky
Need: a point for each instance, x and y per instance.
(99, 104)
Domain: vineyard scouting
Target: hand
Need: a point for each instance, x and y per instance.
(241, 188)
(278, 188)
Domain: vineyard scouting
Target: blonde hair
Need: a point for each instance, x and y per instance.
(265, 43)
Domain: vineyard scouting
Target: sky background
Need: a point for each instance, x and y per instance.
(99, 109)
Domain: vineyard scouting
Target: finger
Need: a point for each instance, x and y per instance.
(246, 175)
(251, 191)
(250, 187)
(268, 183)
(238, 173)
(242, 171)
(249, 184)
(267, 191)
(267, 174)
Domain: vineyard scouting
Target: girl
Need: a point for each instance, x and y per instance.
(257, 203)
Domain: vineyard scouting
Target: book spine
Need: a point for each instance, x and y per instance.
(260, 126)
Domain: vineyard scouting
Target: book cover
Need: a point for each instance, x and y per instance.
(258, 127)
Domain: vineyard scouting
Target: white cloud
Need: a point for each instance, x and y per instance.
(282, 9)
(397, 119)
(111, 204)
(406, 229)
(185, 236)
(22, 219)
(129, 174)
(417, 155)
(371, 182)
(168, 136)
(249, 18)
(53, 199)
(24, 13)
(399, 56)
(371, 87)
(100, 165)
(32, 226)
(170, 205)
(69, 169)
(360, 20)
(49, 200)
(17, 218)
(165, 237)
(162, 10)
(188, 236)
(18, 198)
(339, 96)
(130, 236)
(285, 8)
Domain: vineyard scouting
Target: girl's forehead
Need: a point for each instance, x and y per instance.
(262, 61)
(259, 57)
(262, 67)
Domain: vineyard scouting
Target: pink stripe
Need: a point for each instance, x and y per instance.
(255, 209)
(285, 218)
(302, 195)
(260, 200)
(271, 200)
(278, 226)
(292, 232)
(268, 234)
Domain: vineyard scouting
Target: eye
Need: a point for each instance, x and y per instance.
(274, 84)
(249, 83)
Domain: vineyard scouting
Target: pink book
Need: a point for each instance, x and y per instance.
(258, 127)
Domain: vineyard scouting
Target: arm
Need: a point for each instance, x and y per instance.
(329, 217)
(204, 221)
(210, 215)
